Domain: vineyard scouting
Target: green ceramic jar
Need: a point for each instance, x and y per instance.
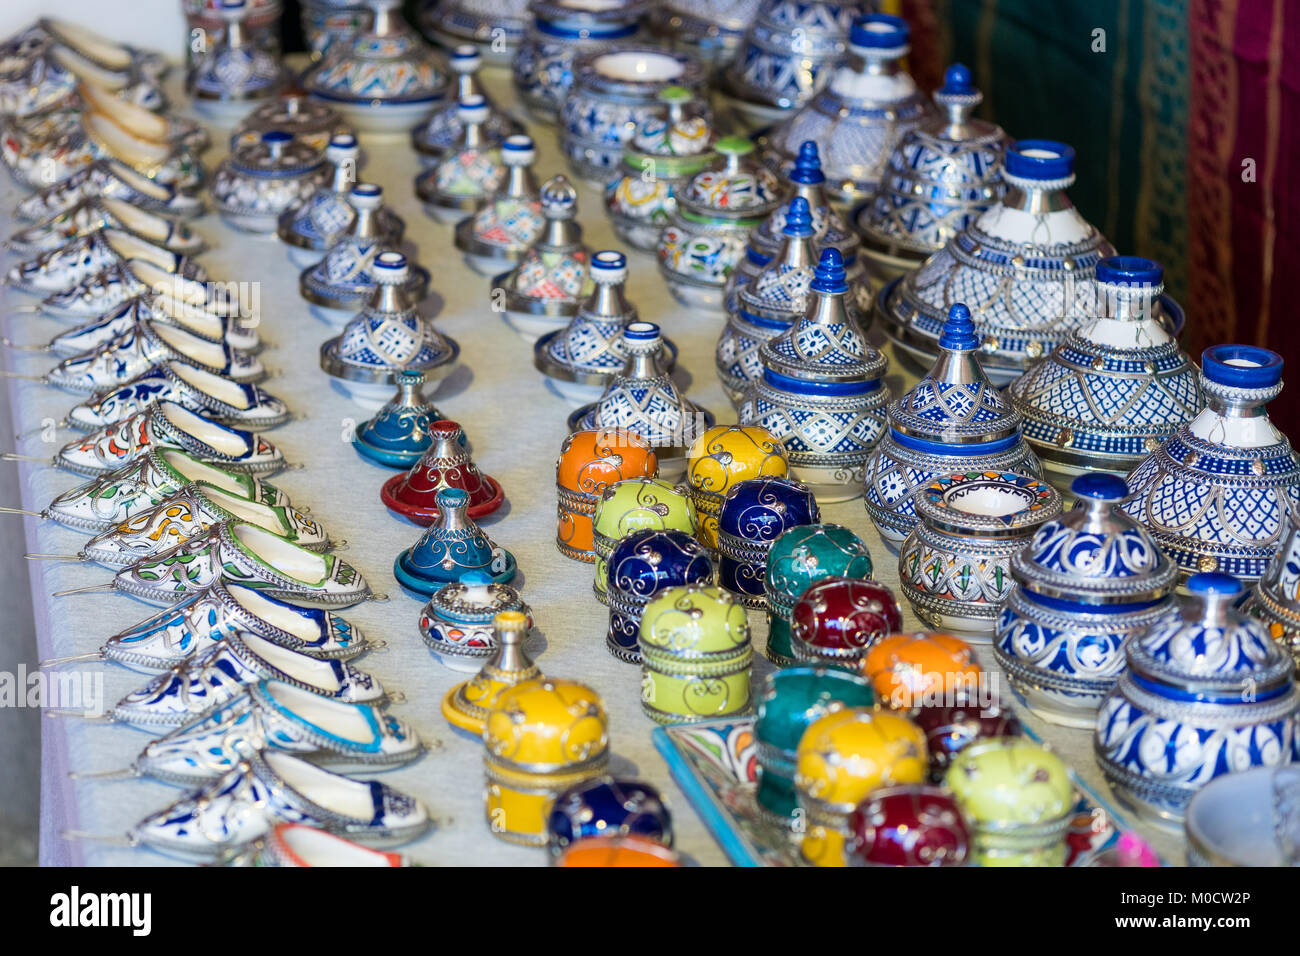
(799, 558)
(1017, 797)
(632, 505)
(695, 655)
(792, 699)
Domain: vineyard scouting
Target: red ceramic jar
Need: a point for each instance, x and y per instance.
(911, 825)
(951, 728)
(838, 619)
(445, 465)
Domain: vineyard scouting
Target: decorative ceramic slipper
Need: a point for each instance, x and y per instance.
(274, 788)
(245, 554)
(203, 392)
(86, 256)
(167, 638)
(299, 845)
(452, 549)
(157, 309)
(166, 424)
(104, 290)
(117, 61)
(141, 485)
(98, 212)
(141, 121)
(113, 180)
(190, 512)
(208, 681)
(274, 716)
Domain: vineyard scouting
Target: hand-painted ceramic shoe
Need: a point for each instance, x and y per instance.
(98, 212)
(273, 788)
(141, 348)
(104, 290)
(398, 436)
(141, 485)
(208, 681)
(299, 845)
(190, 512)
(110, 179)
(245, 554)
(85, 256)
(167, 638)
(452, 549)
(275, 716)
(168, 425)
(202, 392)
(158, 309)
(446, 464)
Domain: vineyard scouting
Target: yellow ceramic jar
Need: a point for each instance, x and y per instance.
(720, 458)
(841, 758)
(467, 704)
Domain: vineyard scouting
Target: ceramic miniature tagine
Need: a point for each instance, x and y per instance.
(582, 359)
(344, 281)
(508, 224)
(790, 49)
(705, 237)
(644, 399)
(641, 566)
(257, 183)
(466, 705)
(711, 31)
(589, 463)
(462, 178)
(1113, 391)
(722, 457)
(451, 549)
(952, 421)
(635, 504)
(1026, 268)
(1217, 493)
(386, 338)
(441, 132)
(799, 558)
(1206, 692)
(383, 80)
(754, 514)
(496, 28)
(398, 435)
(293, 112)
(547, 288)
(955, 564)
(417, 495)
(858, 119)
(1090, 581)
(327, 24)
(606, 808)
(941, 175)
(822, 390)
(1275, 600)
(560, 31)
(663, 153)
(238, 73)
(312, 227)
(458, 623)
(613, 92)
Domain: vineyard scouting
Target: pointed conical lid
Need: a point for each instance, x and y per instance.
(468, 704)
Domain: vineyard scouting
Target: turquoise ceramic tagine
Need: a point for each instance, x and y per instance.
(398, 436)
(822, 391)
(451, 550)
(1217, 494)
(952, 421)
(1112, 392)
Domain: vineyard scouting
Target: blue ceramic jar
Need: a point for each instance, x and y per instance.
(608, 807)
(754, 514)
(639, 567)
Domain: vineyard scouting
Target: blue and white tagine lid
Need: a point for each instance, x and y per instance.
(1217, 494)
(807, 180)
(511, 220)
(779, 292)
(1118, 386)
(239, 70)
(442, 131)
(327, 214)
(591, 349)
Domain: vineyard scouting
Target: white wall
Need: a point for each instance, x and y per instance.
(150, 24)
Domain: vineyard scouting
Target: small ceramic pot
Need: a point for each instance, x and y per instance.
(925, 669)
(417, 495)
(908, 825)
(722, 457)
(837, 620)
(462, 178)
(399, 434)
(496, 28)
(607, 808)
(452, 548)
(581, 359)
(951, 728)
(589, 463)
(640, 566)
(466, 706)
(635, 504)
(754, 514)
(955, 566)
(457, 623)
(259, 182)
(293, 112)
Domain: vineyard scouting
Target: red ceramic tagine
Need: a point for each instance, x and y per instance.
(445, 465)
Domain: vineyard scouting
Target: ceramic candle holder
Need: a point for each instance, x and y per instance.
(260, 181)
(237, 73)
(613, 92)
(799, 558)
(952, 727)
(867, 106)
(940, 176)
(452, 548)
(836, 621)
(695, 656)
(458, 622)
(1108, 395)
(1217, 493)
(955, 566)
(557, 274)
(589, 463)
(507, 225)
(608, 809)
(417, 495)
(442, 131)
(399, 433)
(1206, 692)
(952, 421)
(640, 566)
(722, 457)
(543, 737)
(1089, 582)
(635, 504)
(754, 514)
(461, 179)
(908, 825)
(822, 390)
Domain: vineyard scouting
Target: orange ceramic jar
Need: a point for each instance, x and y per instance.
(908, 670)
(617, 851)
(589, 461)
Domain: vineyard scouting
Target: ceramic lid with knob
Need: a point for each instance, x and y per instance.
(694, 623)
(609, 808)
(467, 704)
(452, 548)
(838, 619)
(546, 725)
(907, 670)
(736, 187)
(239, 68)
(679, 134)
(908, 825)
(646, 561)
(278, 154)
(1012, 783)
(851, 751)
(592, 349)
(292, 111)
(442, 131)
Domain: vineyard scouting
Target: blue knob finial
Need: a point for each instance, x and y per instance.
(807, 166)
(957, 81)
(798, 219)
(1100, 486)
(828, 276)
(1214, 582)
(958, 333)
